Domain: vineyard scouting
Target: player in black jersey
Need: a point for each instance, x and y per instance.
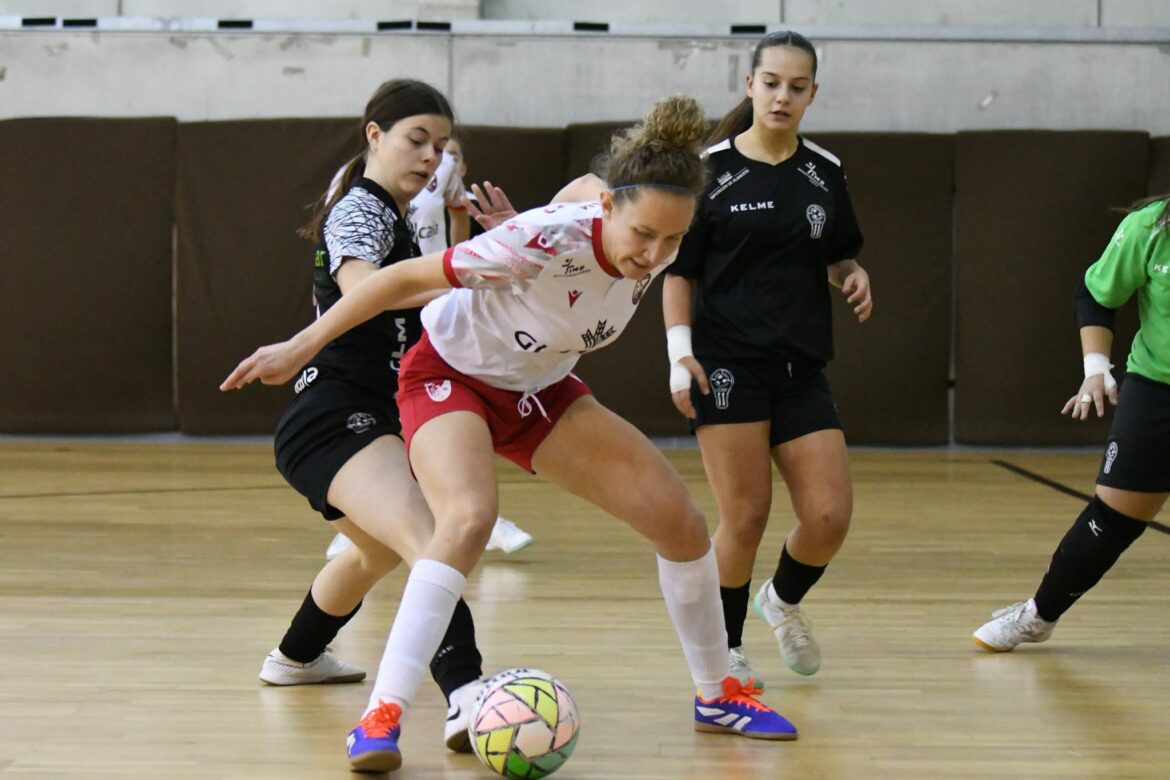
(748, 317)
(339, 442)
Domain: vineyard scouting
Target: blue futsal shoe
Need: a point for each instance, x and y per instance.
(373, 743)
(737, 711)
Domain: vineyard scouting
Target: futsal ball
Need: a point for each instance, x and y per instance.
(524, 724)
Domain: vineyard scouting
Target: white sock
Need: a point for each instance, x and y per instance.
(691, 590)
(423, 615)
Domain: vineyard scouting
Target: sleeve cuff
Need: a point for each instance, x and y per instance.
(449, 270)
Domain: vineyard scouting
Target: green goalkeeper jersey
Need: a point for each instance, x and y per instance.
(1138, 260)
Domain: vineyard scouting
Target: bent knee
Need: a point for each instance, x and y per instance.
(466, 530)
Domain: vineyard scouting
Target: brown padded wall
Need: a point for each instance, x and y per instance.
(889, 377)
(244, 276)
(1033, 213)
(527, 163)
(85, 222)
(1159, 167)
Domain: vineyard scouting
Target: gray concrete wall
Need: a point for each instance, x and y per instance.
(553, 80)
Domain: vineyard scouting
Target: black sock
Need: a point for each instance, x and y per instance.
(311, 630)
(793, 579)
(735, 604)
(1092, 545)
(457, 661)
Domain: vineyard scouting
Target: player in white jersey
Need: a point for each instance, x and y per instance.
(445, 195)
(530, 297)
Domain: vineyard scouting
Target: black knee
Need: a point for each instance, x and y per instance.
(1100, 534)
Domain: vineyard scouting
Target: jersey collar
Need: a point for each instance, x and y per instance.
(599, 252)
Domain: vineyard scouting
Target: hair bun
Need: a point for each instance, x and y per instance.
(676, 122)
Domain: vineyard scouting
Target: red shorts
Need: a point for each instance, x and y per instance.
(428, 387)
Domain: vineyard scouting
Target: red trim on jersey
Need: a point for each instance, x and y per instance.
(448, 271)
(599, 252)
(457, 207)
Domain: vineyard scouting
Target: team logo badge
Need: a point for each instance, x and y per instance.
(722, 381)
(438, 391)
(1110, 456)
(573, 296)
(360, 422)
(640, 289)
(816, 220)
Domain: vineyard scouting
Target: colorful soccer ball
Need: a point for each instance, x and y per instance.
(524, 724)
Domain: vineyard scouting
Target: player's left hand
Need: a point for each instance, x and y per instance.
(493, 208)
(855, 287)
(274, 364)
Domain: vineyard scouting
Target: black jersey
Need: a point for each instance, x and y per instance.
(758, 248)
(365, 224)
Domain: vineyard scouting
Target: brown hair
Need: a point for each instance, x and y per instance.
(662, 150)
(394, 100)
(739, 119)
(1163, 220)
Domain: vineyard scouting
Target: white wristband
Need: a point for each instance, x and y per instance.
(1098, 363)
(678, 346)
(678, 343)
(680, 378)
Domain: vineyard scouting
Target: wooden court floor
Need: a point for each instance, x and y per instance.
(142, 584)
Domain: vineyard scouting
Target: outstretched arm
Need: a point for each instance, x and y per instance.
(389, 288)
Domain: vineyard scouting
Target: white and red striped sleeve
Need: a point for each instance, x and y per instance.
(512, 255)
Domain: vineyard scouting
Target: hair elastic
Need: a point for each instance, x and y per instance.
(672, 187)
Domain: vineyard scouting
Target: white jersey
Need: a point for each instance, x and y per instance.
(531, 297)
(428, 209)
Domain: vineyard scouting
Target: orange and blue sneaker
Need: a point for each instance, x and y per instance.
(373, 743)
(737, 711)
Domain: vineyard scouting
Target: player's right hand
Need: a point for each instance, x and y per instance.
(274, 364)
(493, 208)
(682, 396)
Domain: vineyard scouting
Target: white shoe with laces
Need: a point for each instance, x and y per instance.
(1013, 626)
(508, 537)
(741, 668)
(279, 669)
(798, 647)
(459, 712)
(340, 544)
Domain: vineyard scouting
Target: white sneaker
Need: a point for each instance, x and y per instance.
(1012, 626)
(793, 630)
(279, 669)
(459, 712)
(508, 536)
(741, 668)
(340, 544)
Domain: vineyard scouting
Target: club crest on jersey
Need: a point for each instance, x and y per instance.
(540, 241)
(810, 172)
(438, 391)
(816, 220)
(573, 296)
(360, 422)
(640, 289)
(722, 381)
(433, 184)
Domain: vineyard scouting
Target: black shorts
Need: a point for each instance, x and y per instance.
(1138, 454)
(795, 398)
(326, 425)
